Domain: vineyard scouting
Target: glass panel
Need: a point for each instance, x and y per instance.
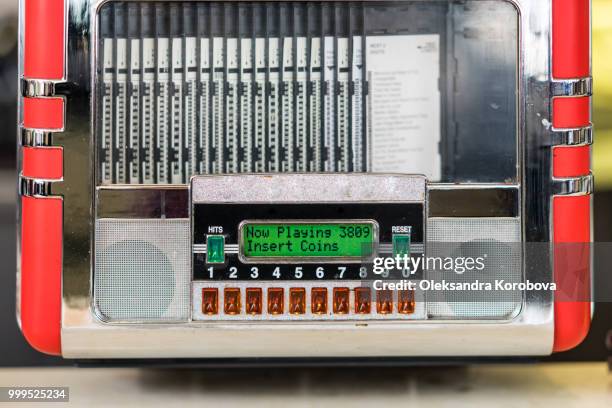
(210, 87)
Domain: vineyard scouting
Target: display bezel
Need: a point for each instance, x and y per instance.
(308, 259)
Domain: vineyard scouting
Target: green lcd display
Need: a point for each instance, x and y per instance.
(307, 240)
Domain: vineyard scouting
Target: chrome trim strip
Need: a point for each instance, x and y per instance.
(145, 200)
(473, 202)
(307, 339)
(471, 186)
(35, 88)
(572, 87)
(572, 137)
(575, 186)
(29, 187)
(201, 248)
(36, 137)
(304, 188)
(142, 201)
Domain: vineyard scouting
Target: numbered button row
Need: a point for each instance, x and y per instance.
(317, 301)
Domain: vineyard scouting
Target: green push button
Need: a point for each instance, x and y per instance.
(215, 249)
(401, 244)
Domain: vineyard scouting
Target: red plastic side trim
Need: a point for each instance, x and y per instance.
(43, 113)
(41, 273)
(571, 112)
(42, 218)
(43, 162)
(44, 39)
(571, 214)
(571, 38)
(572, 236)
(571, 161)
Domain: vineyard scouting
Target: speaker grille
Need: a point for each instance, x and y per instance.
(142, 271)
(498, 240)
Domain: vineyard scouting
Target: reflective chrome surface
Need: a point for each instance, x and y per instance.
(34, 188)
(306, 188)
(573, 186)
(572, 87)
(573, 137)
(37, 88)
(35, 137)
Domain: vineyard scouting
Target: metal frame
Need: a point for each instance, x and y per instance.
(529, 333)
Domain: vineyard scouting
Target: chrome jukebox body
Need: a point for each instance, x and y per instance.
(228, 179)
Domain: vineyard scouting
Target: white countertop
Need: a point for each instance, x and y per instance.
(568, 385)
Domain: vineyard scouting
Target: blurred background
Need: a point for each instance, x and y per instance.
(14, 350)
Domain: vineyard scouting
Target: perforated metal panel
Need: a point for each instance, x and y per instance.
(498, 241)
(142, 271)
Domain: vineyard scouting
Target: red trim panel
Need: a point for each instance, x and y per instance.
(43, 162)
(571, 161)
(571, 38)
(43, 113)
(41, 272)
(571, 59)
(44, 39)
(572, 112)
(572, 236)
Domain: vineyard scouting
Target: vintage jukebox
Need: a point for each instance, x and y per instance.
(238, 179)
